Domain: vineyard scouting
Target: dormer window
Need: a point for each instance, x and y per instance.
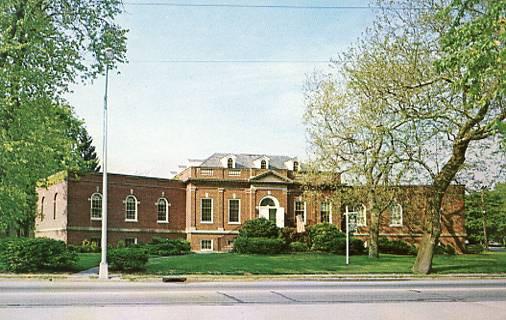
(263, 164)
(295, 166)
(230, 163)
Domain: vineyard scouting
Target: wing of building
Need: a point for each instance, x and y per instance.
(208, 201)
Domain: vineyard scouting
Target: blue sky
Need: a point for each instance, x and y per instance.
(163, 113)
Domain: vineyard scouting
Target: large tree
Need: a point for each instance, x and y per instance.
(439, 67)
(46, 45)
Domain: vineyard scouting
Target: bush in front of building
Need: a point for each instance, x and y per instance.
(444, 250)
(259, 228)
(395, 247)
(168, 247)
(259, 245)
(325, 237)
(291, 235)
(36, 254)
(298, 246)
(128, 259)
(87, 246)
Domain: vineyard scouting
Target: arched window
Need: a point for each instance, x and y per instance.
(96, 206)
(131, 208)
(42, 208)
(263, 164)
(267, 202)
(162, 210)
(230, 163)
(54, 206)
(395, 215)
(295, 166)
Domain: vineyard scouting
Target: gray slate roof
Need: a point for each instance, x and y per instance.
(246, 160)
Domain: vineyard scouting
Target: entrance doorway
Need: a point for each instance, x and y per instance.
(269, 209)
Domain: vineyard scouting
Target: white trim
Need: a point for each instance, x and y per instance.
(212, 211)
(239, 213)
(207, 250)
(222, 232)
(295, 209)
(91, 206)
(136, 208)
(364, 210)
(166, 210)
(401, 218)
(330, 211)
(136, 230)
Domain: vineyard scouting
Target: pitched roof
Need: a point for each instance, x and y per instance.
(246, 160)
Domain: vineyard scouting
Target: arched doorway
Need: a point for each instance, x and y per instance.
(269, 209)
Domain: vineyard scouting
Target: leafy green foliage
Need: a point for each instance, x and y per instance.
(396, 247)
(291, 235)
(259, 245)
(168, 247)
(495, 208)
(259, 228)
(298, 246)
(37, 254)
(325, 237)
(44, 47)
(128, 259)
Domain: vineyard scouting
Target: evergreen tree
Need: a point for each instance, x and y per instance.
(87, 152)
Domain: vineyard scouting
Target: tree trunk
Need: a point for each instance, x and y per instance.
(423, 262)
(374, 234)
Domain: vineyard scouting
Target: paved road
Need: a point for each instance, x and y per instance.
(470, 299)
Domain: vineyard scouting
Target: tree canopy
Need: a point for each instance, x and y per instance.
(46, 45)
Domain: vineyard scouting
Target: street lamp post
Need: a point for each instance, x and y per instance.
(104, 269)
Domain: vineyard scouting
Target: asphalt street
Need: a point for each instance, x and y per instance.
(464, 299)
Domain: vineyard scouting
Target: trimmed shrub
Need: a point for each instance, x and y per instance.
(128, 259)
(259, 228)
(356, 246)
(36, 254)
(291, 235)
(168, 247)
(88, 246)
(259, 245)
(474, 248)
(444, 250)
(325, 237)
(297, 246)
(395, 247)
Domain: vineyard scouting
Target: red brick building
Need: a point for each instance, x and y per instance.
(208, 202)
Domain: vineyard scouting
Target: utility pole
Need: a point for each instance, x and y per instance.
(104, 268)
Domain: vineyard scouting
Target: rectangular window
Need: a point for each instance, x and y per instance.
(233, 211)
(206, 245)
(206, 210)
(300, 209)
(325, 212)
(130, 241)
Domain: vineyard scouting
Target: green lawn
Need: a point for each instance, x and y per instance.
(86, 261)
(311, 263)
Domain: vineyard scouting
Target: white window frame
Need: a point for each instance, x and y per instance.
(238, 214)
(330, 211)
(295, 210)
(364, 210)
(136, 219)
(91, 206)
(212, 211)
(167, 210)
(206, 250)
(401, 210)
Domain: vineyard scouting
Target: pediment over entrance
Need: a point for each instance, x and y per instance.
(270, 177)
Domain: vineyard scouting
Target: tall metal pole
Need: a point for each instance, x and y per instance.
(347, 236)
(104, 268)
